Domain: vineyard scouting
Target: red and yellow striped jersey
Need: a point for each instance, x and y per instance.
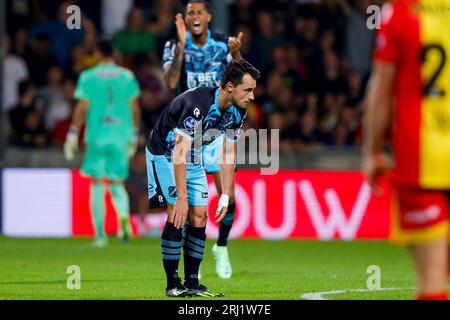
(415, 36)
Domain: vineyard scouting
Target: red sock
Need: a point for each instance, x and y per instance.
(437, 296)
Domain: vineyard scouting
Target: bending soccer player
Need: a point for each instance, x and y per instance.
(107, 100)
(176, 177)
(409, 93)
(197, 59)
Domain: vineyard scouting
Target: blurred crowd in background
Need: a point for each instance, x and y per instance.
(315, 58)
(314, 55)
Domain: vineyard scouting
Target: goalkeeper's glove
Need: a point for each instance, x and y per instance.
(134, 143)
(71, 144)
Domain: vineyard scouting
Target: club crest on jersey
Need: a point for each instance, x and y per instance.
(190, 123)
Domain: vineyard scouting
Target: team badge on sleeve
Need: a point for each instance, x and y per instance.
(190, 123)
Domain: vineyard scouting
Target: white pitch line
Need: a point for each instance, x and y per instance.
(319, 295)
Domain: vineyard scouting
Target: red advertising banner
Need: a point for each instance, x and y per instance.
(82, 223)
(321, 205)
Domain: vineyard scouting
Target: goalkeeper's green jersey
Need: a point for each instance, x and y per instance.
(108, 88)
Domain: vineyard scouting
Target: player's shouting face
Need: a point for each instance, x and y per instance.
(197, 18)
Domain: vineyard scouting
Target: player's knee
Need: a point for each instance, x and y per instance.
(98, 182)
(198, 218)
(117, 184)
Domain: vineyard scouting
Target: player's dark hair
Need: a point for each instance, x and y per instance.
(235, 71)
(205, 3)
(106, 47)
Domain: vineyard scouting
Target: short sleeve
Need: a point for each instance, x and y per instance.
(168, 54)
(386, 43)
(187, 116)
(81, 90)
(233, 134)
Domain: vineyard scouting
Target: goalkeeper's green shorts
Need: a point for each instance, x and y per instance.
(106, 161)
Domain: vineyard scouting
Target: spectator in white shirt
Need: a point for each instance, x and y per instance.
(14, 72)
(114, 15)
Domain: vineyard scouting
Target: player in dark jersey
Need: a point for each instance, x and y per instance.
(197, 59)
(176, 178)
(198, 56)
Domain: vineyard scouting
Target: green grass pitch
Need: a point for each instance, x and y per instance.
(37, 269)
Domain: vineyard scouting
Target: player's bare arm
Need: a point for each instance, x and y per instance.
(173, 72)
(227, 177)
(134, 103)
(235, 43)
(376, 122)
(180, 209)
(79, 116)
(136, 116)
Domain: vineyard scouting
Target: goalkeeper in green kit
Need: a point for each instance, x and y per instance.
(107, 96)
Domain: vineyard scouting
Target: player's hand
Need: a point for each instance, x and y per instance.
(180, 212)
(222, 207)
(71, 145)
(234, 43)
(181, 30)
(134, 143)
(375, 166)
